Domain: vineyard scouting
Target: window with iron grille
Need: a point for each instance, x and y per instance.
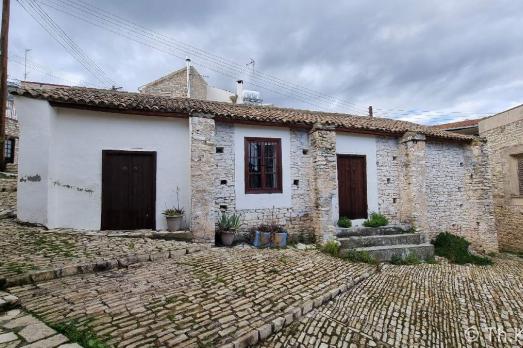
(9, 150)
(263, 165)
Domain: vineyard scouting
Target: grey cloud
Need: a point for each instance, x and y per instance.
(422, 55)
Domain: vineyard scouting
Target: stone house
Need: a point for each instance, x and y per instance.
(189, 83)
(504, 135)
(99, 159)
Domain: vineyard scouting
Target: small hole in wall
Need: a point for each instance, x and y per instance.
(472, 176)
(223, 182)
(461, 205)
(296, 182)
(461, 164)
(388, 180)
(219, 149)
(305, 151)
(477, 223)
(394, 158)
(394, 200)
(459, 189)
(223, 207)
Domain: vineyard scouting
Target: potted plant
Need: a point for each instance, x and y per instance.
(228, 225)
(270, 235)
(174, 218)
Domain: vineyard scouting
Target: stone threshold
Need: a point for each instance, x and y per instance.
(292, 315)
(99, 265)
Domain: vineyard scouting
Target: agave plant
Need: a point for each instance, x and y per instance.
(229, 222)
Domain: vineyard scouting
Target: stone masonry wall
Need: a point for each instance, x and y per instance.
(388, 168)
(502, 143)
(441, 186)
(202, 177)
(297, 218)
(175, 85)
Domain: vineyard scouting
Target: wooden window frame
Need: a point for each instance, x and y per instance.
(263, 189)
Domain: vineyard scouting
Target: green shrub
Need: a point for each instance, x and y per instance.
(344, 222)
(456, 249)
(410, 259)
(376, 220)
(331, 247)
(360, 256)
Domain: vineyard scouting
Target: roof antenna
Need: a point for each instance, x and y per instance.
(252, 62)
(371, 114)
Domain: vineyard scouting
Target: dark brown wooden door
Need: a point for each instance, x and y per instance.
(128, 190)
(352, 186)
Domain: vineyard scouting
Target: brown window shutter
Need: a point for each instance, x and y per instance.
(520, 175)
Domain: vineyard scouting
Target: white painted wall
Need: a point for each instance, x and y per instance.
(261, 200)
(217, 94)
(74, 170)
(36, 120)
(351, 144)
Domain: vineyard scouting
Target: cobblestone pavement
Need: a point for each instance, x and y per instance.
(19, 329)
(210, 297)
(419, 306)
(28, 249)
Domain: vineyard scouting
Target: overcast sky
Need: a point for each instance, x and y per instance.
(439, 56)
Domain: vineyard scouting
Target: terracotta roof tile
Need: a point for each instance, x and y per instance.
(458, 124)
(140, 102)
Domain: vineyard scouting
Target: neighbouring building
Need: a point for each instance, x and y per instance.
(11, 132)
(100, 159)
(468, 127)
(188, 83)
(504, 135)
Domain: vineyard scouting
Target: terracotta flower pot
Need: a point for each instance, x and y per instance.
(227, 237)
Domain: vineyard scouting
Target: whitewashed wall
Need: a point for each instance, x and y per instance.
(74, 170)
(351, 144)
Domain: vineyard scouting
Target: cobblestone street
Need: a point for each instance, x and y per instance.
(176, 294)
(420, 306)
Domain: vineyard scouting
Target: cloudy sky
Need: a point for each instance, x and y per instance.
(426, 61)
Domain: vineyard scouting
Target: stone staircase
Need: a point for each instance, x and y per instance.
(384, 243)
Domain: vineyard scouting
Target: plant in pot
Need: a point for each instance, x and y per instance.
(174, 218)
(228, 225)
(270, 235)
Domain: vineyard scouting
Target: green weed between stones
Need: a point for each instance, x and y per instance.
(456, 250)
(331, 247)
(19, 267)
(83, 336)
(410, 259)
(360, 256)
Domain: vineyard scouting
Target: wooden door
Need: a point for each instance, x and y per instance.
(128, 190)
(352, 186)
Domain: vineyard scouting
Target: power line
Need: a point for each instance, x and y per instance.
(57, 33)
(117, 25)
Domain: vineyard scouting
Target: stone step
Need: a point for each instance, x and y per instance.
(372, 231)
(381, 240)
(385, 253)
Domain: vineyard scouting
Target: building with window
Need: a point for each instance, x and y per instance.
(504, 138)
(11, 132)
(95, 159)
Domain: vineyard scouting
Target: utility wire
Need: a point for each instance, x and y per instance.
(58, 34)
(105, 22)
(116, 24)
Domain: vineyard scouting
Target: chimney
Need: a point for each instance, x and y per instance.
(188, 64)
(371, 113)
(239, 91)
